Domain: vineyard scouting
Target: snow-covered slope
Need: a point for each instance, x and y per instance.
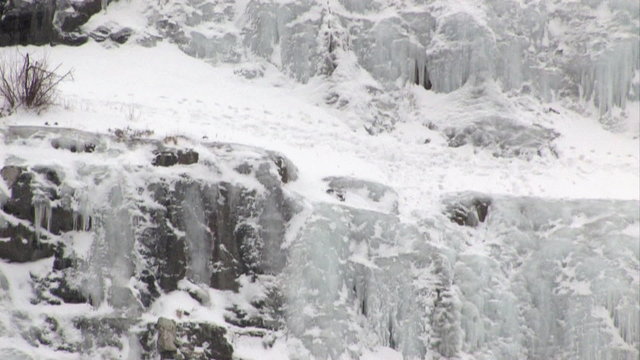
(372, 180)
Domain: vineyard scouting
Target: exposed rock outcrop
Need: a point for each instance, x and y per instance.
(185, 341)
(468, 209)
(41, 22)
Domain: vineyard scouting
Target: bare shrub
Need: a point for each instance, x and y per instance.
(29, 83)
(125, 134)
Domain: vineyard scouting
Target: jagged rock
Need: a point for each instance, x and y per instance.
(45, 21)
(20, 204)
(100, 34)
(469, 211)
(10, 174)
(71, 20)
(204, 341)
(165, 158)
(88, 7)
(286, 169)
(23, 244)
(165, 251)
(202, 232)
(121, 36)
(230, 240)
(102, 331)
(170, 157)
(191, 341)
(27, 23)
(187, 157)
(55, 288)
(505, 138)
(166, 338)
(72, 38)
(362, 193)
(50, 174)
(149, 288)
(264, 320)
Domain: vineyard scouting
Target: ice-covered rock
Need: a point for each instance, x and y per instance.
(224, 249)
(584, 52)
(40, 22)
(363, 194)
(505, 138)
(349, 289)
(131, 239)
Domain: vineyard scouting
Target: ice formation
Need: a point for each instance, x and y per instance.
(550, 285)
(251, 256)
(580, 51)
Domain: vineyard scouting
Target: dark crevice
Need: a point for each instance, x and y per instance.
(423, 80)
(426, 83)
(392, 342)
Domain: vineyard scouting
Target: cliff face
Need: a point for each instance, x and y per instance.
(44, 22)
(120, 230)
(449, 181)
(121, 233)
(584, 53)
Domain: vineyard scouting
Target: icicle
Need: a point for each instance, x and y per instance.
(48, 216)
(608, 80)
(42, 213)
(81, 214)
(38, 215)
(81, 221)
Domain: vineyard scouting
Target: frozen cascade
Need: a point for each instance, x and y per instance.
(345, 288)
(462, 49)
(482, 276)
(612, 76)
(582, 51)
(42, 213)
(549, 282)
(514, 293)
(111, 263)
(196, 233)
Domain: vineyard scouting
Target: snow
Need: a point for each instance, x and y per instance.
(211, 101)
(555, 247)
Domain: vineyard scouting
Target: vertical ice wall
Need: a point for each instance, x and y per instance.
(111, 263)
(354, 281)
(537, 279)
(582, 51)
(197, 233)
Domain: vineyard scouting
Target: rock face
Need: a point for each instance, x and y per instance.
(468, 209)
(505, 138)
(111, 245)
(37, 200)
(41, 22)
(25, 23)
(361, 193)
(166, 337)
(169, 158)
(185, 341)
(438, 46)
(110, 255)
